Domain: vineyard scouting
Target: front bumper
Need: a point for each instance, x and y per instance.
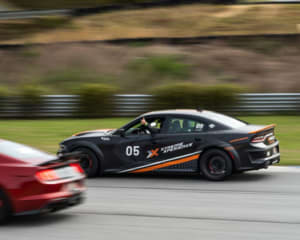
(62, 150)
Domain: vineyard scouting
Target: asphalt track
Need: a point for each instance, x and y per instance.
(263, 204)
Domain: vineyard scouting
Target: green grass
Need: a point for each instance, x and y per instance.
(288, 133)
(46, 134)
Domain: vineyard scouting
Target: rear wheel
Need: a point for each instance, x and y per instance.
(4, 207)
(89, 162)
(215, 165)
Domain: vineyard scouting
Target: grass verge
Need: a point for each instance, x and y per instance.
(46, 134)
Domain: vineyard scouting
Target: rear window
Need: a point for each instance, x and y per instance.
(22, 152)
(225, 120)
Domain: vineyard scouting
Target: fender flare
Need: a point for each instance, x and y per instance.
(229, 150)
(92, 147)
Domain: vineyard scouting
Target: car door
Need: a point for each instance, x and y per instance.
(181, 142)
(138, 148)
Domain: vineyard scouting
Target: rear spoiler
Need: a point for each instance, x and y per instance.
(263, 129)
(65, 158)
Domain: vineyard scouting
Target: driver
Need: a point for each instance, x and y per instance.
(147, 126)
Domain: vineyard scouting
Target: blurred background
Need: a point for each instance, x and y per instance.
(74, 65)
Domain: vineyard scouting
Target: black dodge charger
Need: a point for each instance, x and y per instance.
(205, 142)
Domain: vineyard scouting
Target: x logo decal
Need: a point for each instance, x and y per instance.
(153, 153)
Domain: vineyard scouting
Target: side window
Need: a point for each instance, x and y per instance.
(155, 123)
(138, 129)
(184, 125)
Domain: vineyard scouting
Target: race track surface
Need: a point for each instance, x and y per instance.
(262, 204)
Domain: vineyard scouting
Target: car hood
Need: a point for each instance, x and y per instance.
(98, 132)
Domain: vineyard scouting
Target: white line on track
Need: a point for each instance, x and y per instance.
(292, 169)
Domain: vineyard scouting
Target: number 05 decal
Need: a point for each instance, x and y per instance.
(132, 151)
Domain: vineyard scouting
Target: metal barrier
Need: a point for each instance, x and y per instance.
(132, 104)
(256, 103)
(135, 104)
(7, 15)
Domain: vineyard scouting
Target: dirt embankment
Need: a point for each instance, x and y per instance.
(215, 63)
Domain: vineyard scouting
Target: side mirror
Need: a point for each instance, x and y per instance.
(121, 131)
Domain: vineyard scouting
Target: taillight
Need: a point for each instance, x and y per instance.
(70, 171)
(77, 167)
(258, 139)
(47, 175)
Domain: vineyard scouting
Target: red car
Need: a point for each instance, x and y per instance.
(33, 182)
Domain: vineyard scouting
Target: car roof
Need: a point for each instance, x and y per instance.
(189, 112)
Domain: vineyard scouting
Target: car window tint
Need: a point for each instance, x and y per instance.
(137, 129)
(155, 123)
(183, 125)
(225, 120)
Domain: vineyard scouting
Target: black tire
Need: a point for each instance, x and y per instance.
(89, 163)
(215, 165)
(5, 209)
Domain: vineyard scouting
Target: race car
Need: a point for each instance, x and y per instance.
(194, 141)
(33, 182)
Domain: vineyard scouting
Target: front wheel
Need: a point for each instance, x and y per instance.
(215, 165)
(89, 162)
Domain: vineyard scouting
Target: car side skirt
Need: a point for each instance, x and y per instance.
(164, 163)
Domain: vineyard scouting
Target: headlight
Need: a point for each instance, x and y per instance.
(62, 149)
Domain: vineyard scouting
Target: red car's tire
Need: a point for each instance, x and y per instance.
(5, 209)
(89, 162)
(215, 165)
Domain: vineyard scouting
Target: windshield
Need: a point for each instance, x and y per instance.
(225, 120)
(22, 152)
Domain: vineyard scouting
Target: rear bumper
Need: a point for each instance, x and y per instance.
(261, 156)
(54, 197)
(56, 205)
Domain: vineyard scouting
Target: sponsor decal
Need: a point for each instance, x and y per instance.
(105, 138)
(175, 147)
(153, 153)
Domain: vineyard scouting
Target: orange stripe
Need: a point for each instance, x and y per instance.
(229, 148)
(97, 130)
(167, 164)
(262, 129)
(239, 139)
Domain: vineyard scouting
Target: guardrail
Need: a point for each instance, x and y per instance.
(260, 103)
(7, 15)
(57, 106)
